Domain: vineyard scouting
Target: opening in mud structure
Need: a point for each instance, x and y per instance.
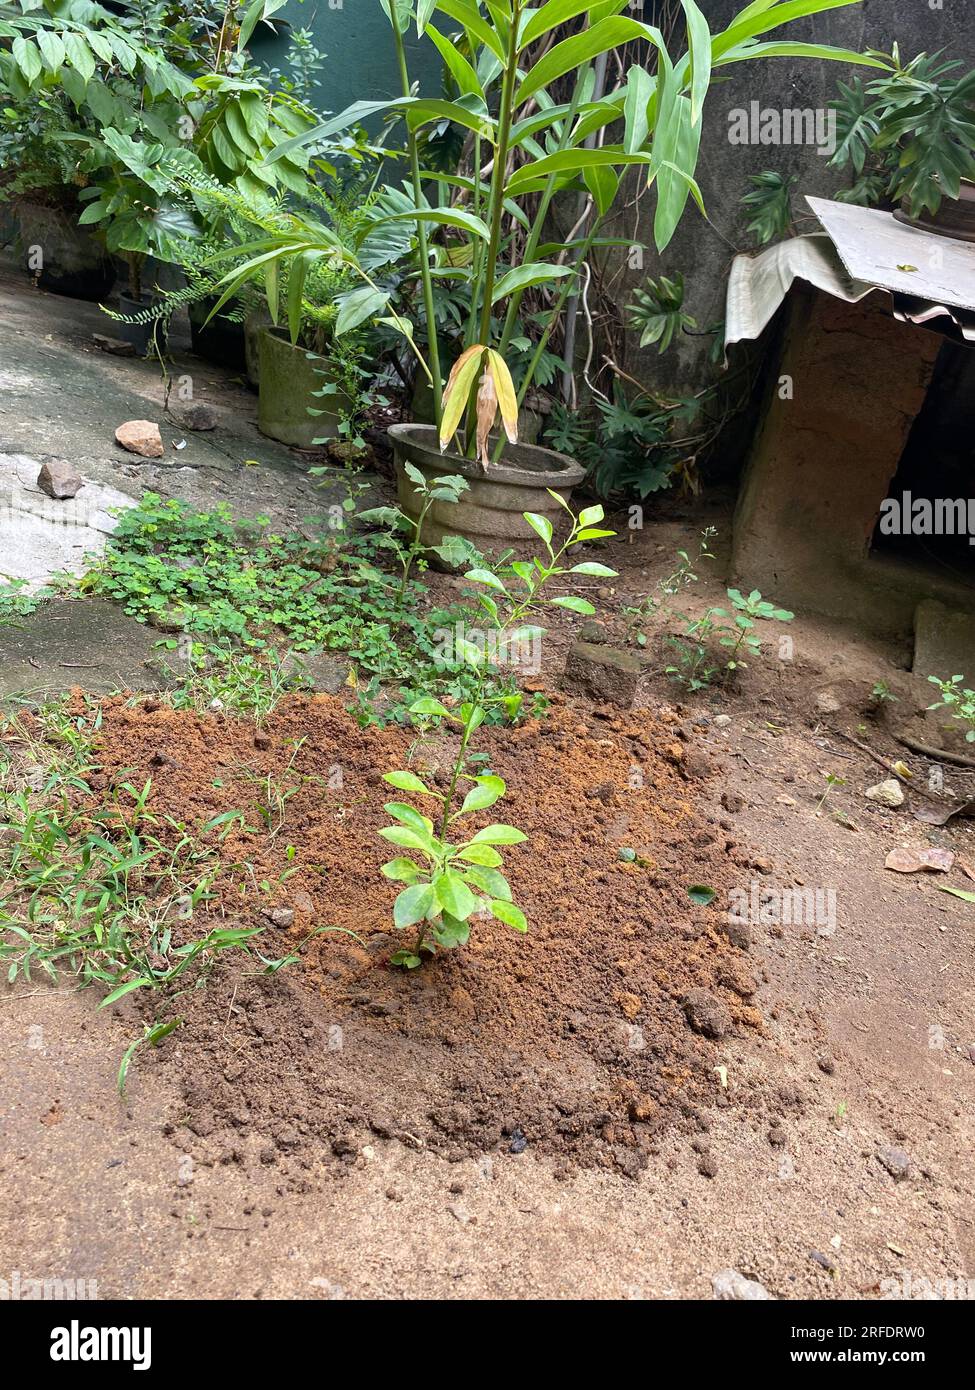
(927, 518)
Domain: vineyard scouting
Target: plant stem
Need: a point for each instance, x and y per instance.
(426, 278)
(535, 235)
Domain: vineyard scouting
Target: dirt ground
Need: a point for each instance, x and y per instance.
(536, 1117)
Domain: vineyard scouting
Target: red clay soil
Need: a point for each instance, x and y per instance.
(574, 1040)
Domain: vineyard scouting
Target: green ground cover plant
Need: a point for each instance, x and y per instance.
(242, 607)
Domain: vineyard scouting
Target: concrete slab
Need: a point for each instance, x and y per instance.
(61, 396)
(86, 642)
(39, 536)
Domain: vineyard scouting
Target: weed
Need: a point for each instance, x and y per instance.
(16, 603)
(831, 781)
(957, 698)
(681, 577)
(735, 631)
(404, 533)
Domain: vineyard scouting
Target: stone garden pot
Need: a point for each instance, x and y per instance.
(954, 218)
(288, 376)
(73, 261)
(221, 340)
(490, 512)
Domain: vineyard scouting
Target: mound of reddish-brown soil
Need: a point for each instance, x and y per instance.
(576, 1040)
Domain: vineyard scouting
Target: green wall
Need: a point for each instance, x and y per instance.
(361, 62)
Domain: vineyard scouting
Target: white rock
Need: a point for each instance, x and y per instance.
(721, 721)
(730, 1286)
(889, 793)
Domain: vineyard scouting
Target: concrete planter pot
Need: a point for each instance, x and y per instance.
(491, 510)
(954, 218)
(221, 340)
(73, 261)
(140, 335)
(289, 376)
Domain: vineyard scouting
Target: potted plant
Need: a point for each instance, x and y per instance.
(535, 148)
(39, 184)
(909, 137)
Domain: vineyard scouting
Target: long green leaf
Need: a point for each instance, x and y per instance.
(531, 273)
(747, 51)
(570, 162)
(699, 50)
(758, 21)
(458, 66)
(580, 48)
(476, 26)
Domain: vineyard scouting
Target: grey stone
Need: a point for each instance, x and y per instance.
(193, 415)
(605, 673)
(731, 1287)
(593, 631)
(59, 479)
(43, 535)
(896, 1161)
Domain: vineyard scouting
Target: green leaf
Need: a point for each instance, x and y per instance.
(528, 176)
(499, 835)
(962, 893)
(122, 990)
(541, 526)
(701, 894)
(79, 55)
(409, 816)
(407, 782)
(487, 791)
(639, 90)
(400, 870)
(758, 19)
(589, 516)
(480, 854)
(407, 839)
(574, 604)
(28, 58)
(699, 49)
(413, 904)
(486, 577)
(447, 217)
(571, 53)
(597, 571)
(477, 27)
(427, 706)
(451, 932)
(453, 895)
(457, 65)
(554, 13)
(507, 912)
(521, 276)
(358, 305)
(52, 49)
(492, 883)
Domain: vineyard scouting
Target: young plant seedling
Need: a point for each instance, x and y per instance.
(457, 878)
(960, 700)
(405, 532)
(831, 781)
(738, 635)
